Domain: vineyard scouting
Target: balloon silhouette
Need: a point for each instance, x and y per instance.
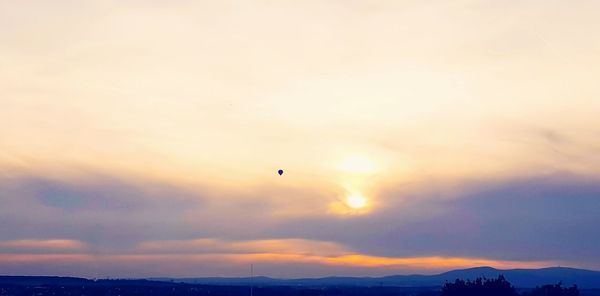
(280, 172)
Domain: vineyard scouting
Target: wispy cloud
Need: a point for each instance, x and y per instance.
(42, 245)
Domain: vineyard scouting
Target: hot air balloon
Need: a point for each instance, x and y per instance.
(280, 172)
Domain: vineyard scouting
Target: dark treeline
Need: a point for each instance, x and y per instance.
(192, 290)
(501, 287)
(81, 287)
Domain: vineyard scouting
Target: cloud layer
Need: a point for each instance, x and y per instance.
(530, 222)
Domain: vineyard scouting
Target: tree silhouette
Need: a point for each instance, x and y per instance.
(553, 290)
(480, 286)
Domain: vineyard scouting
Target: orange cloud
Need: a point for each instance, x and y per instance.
(39, 258)
(54, 244)
(358, 260)
(355, 260)
(306, 251)
(276, 251)
(274, 246)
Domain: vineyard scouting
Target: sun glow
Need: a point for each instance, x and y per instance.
(358, 164)
(356, 201)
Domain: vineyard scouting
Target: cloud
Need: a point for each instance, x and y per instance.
(215, 246)
(537, 218)
(189, 108)
(231, 264)
(42, 246)
(93, 223)
(103, 211)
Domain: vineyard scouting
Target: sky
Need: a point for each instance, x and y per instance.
(143, 138)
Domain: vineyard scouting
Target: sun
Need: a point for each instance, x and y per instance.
(356, 171)
(356, 201)
(353, 204)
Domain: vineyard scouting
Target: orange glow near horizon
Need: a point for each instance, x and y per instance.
(426, 264)
(43, 244)
(282, 252)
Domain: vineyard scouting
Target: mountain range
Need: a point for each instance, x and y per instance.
(522, 278)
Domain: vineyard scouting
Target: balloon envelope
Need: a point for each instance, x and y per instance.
(280, 172)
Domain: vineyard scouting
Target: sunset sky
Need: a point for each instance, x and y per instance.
(143, 138)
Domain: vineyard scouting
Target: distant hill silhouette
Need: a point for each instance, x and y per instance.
(521, 278)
